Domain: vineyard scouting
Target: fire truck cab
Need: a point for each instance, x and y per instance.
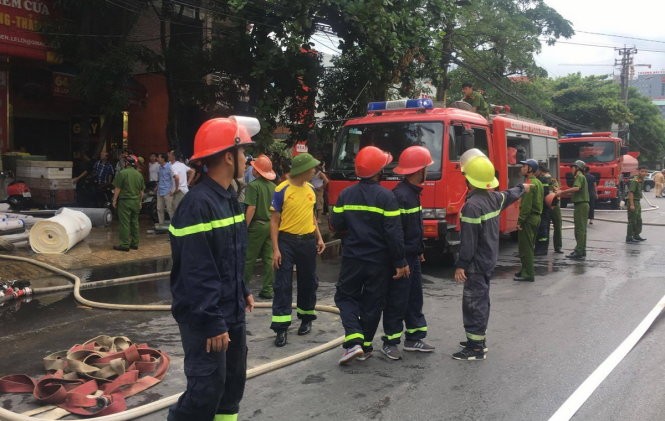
(603, 154)
(447, 133)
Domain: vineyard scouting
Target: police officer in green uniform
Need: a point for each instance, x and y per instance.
(127, 196)
(531, 207)
(634, 208)
(580, 197)
(475, 99)
(555, 213)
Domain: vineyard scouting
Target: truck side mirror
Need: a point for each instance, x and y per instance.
(624, 150)
(468, 140)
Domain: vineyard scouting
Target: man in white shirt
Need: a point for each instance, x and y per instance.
(153, 168)
(182, 174)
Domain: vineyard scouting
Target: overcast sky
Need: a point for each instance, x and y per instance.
(635, 23)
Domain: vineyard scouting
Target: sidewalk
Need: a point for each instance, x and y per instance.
(96, 250)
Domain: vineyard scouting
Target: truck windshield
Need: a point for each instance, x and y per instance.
(587, 151)
(390, 137)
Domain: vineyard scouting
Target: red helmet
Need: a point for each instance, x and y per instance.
(413, 159)
(370, 160)
(219, 134)
(132, 160)
(263, 165)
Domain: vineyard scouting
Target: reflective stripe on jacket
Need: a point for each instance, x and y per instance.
(479, 234)
(408, 199)
(369, 215)
(208, 241)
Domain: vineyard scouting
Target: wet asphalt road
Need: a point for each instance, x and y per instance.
(545, 339)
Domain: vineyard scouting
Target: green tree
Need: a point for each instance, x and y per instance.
(647, 132)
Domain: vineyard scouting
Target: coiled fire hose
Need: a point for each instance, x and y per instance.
(169, 400)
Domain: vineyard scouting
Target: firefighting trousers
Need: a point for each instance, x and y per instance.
(361, 297)
(557, 226)
(634, 226)
(259, 245)
(581, 219)
(298, 250)
(526, 241)
(543, 234)
(128, 217)
(476, 306)
(404, 306)
(215, 380)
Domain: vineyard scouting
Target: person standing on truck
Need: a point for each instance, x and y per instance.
(404, 303)
(208, 242)
(580, 197)
(634, 227)
(475, 99)
(367, 215)
(479, 247)
(543, 233)
(531, 207)
(593, 194)
(296, 240)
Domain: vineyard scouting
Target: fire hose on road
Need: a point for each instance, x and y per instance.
(167, 401)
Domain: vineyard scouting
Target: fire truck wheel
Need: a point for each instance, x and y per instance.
(615, 203)
(564, 203)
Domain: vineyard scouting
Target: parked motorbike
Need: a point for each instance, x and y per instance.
(17, 193)
(149, 202)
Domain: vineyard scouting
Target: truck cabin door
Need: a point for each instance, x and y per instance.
(461, 137)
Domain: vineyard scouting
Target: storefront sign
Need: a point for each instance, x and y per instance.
(62, 83)
(20, 21)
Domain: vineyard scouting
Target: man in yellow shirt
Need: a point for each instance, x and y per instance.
(296, 240)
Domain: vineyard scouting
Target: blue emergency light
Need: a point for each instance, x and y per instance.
(401, 104)
(589, 134)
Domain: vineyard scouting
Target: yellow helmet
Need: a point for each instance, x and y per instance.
(478, 169)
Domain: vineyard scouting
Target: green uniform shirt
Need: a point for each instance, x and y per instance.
(477, 100)
(130, 182)
(635, 186)
(259, 193)
(582, 195)
(532, 201)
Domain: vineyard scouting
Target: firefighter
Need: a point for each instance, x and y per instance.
(372, 252)
(634, 227)
(258, 195)
(404, 304)
(543, 233)
(580, 197)
(531, 207)
(296, 240)
(479, 247)
(208, 240)
(129, 185)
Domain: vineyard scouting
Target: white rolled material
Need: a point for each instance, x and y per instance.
(60, 233)
(13, 225)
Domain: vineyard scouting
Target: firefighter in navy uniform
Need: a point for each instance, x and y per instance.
(404, 304)
(479, 247)
(208, 242)
(543, 233)
(372, 250)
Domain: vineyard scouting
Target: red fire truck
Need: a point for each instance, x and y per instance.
(447, 133)
(604, 155)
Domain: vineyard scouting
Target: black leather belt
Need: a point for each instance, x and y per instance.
(297, 236)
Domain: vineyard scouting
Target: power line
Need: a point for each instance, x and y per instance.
(621, 36)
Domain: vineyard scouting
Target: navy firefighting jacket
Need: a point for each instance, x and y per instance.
(208, 242)
(408, 199)
(369, 215)
(479, 234)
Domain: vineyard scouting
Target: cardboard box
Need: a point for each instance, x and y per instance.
(53, 198)
(43, 169)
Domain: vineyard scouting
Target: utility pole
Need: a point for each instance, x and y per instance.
(626, 65)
